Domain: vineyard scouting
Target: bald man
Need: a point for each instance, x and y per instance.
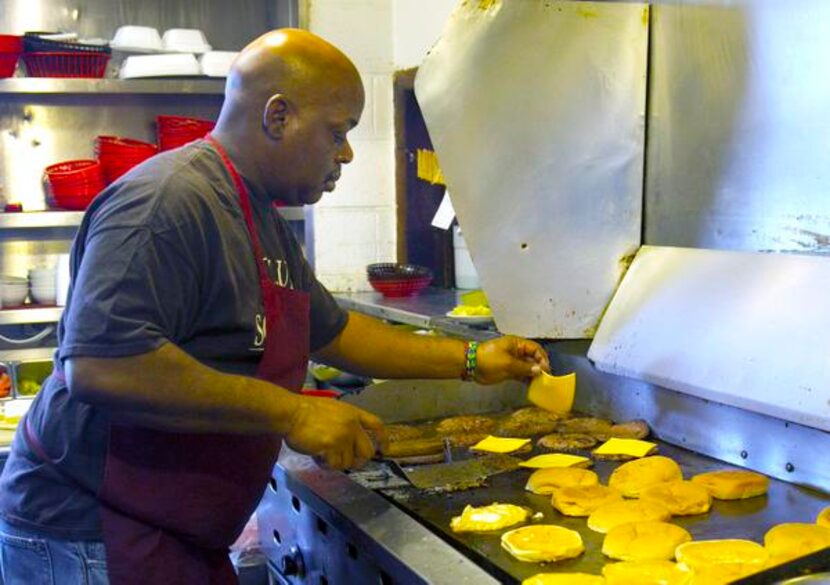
(186, 338)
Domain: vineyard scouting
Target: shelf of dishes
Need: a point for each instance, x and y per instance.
(46, 85)
(68, 219)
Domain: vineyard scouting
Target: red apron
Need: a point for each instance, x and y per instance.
(173, 503)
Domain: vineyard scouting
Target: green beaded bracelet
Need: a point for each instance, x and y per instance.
(470, 360)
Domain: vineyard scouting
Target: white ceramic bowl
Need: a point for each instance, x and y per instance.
(13, 294)
(137, 39)
(217, 63)
(38, 276)
(185, 40)
(181, 64)
(8, 279)
(44, 296)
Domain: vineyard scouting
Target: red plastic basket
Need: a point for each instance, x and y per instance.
(74, 184)
(176, 131)
(400, 288)
(8, 62)
(66, 64)
(118, 155)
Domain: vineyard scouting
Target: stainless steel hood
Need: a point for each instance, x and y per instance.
(536, 111)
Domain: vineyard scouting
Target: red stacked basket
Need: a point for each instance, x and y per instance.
(46, 57)
(74, 184)
(176, 131)
(10, 48)
(398, 280)
(118, 155)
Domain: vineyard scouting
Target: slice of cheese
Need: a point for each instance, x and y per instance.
(627, 447)
(552, 393)
(556, 460)
(492, 444)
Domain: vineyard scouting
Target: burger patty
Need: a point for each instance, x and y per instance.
(567, 442)
(457, 425)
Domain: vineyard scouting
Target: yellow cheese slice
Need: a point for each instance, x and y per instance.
(556, 460)
(492, 444)
(629, 447)
(552, 393)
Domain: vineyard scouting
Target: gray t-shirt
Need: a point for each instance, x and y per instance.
(161, 255)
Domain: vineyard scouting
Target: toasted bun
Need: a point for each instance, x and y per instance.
(790, 541)
(724, 573)
(633, 477)
(544, 481)
(704, 553)
(564, 579)
(823, 518)
(646, 573)
(488, 518)
(733, 484)
(608, 516)
(542, 543)
(644, 541)
(582, 500)
(682, 498)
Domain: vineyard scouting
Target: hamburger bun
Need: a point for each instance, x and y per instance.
(608, 516)
(545, 481)
(646, 573)
(564, 579)
(700, 554)
(583, 500)
(644, 541)
(488, 518)
(682, 498)
(823, 518)
(733, 484)
(542, 543)
(790, 541)
(633, 477)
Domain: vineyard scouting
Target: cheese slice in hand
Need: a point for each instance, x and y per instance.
(628, 447)
(553, 393)
(556, 460)
(492, 444)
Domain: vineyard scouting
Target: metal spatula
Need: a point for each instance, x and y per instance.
(458, 475)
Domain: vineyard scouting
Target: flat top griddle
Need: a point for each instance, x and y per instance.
(748, 519)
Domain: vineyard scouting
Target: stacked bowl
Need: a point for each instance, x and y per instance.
(13, 290)
(176, 131)
(118, 155)
(74, 184)
(45, 56)
(43, 283)
(10, 48)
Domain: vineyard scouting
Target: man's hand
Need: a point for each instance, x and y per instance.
(510, 357)
(334, 432)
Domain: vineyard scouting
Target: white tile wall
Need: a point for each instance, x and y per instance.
(356, 224)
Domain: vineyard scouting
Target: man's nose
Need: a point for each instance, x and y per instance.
(346, 153)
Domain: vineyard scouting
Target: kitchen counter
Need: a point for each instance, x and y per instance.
(428, 310)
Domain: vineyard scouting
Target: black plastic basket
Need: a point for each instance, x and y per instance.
(33, 42)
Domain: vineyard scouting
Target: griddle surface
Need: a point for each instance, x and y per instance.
(736, 519)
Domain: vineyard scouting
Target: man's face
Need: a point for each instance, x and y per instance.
(317, 146)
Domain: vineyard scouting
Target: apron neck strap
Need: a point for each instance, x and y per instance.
(245, 203)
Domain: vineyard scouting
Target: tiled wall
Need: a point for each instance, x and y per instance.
(356, 224)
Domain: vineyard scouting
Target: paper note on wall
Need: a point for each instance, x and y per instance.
(445, 214)
(428, 168)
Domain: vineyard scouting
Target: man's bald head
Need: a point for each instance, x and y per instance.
(290, 99)
(296, 63)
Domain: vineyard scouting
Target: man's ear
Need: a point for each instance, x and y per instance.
(275, 116)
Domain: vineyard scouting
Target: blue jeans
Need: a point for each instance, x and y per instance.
(29, 559)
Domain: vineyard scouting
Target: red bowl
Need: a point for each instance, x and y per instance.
(118, 155)
(8, 63)
(176, 131)
(400, 288)
(11, 44)
(74, 182)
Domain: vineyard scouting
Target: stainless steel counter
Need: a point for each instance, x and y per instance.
(428, 310)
